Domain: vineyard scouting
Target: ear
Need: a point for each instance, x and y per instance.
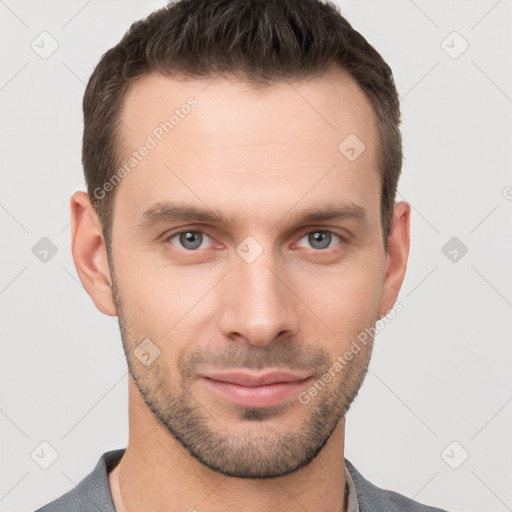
(90, 253)
(396, 258)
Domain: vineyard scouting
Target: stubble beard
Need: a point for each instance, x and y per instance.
(253, 446)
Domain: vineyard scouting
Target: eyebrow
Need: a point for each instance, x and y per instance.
(165, 212)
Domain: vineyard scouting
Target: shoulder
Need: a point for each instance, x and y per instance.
(92, 493)
(374, 499)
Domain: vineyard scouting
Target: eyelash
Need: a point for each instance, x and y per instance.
(343, 239)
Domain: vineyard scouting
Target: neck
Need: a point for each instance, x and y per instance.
(156, 471)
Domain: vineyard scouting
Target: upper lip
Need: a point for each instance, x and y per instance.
(244, 378)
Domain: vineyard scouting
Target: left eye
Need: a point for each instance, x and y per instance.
(190, 240)
(320, 239)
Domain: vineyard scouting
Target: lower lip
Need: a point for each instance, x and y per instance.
(256, 396)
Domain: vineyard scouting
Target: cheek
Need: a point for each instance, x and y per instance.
(346, 298)
(160, 300)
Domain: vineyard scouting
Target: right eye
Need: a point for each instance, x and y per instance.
(189, 240)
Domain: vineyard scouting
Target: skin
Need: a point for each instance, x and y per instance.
(261, 156)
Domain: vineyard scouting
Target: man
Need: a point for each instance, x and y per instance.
(241, 160)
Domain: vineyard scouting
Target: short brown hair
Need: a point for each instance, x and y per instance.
(260, 41)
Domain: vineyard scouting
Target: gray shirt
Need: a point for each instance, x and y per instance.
(92, 494)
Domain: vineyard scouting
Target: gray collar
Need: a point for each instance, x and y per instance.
(93, 492)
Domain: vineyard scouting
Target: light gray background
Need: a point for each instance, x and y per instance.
(441, 369)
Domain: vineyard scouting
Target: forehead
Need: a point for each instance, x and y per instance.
(223, 143)
(332, 102)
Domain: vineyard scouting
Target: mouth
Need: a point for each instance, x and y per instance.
(249, 389)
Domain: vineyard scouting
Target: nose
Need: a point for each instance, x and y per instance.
(257, 303)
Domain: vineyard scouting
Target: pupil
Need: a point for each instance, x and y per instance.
(320, 239)
(190, 240)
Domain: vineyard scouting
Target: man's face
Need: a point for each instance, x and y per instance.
(261, 289)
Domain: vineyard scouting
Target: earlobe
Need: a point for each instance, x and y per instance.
(90, 253)
(397, 256)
